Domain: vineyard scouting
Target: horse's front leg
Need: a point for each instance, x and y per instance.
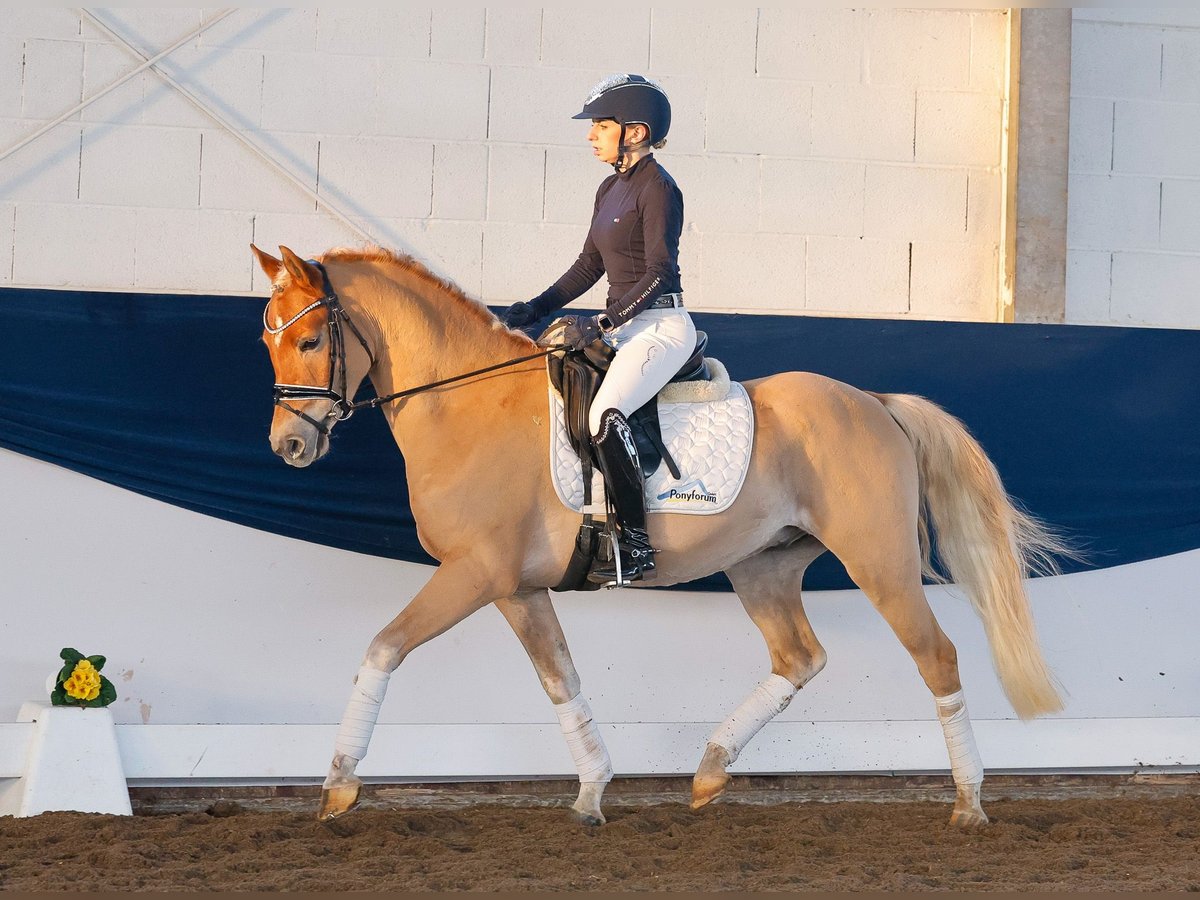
(533, 619)
(457, 589)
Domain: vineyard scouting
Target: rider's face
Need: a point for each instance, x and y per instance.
(605, 138)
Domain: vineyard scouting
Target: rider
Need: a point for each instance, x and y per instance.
(634, 238)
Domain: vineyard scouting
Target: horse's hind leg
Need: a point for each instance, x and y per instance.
(533, 619)
(768, 584)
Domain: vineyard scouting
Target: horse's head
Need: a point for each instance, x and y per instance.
(317, 371)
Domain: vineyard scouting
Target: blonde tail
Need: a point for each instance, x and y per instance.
(986, 544)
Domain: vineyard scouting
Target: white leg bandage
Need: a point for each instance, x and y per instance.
(584, 741)
(769, 698)
(965, 763)
(361, 712)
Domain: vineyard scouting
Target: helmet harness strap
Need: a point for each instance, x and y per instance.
(622, 150)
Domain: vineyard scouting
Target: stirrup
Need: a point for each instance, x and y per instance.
(637, 572)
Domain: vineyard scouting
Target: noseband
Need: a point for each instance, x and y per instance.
(342, 407)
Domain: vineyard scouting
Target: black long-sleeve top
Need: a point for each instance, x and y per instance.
(634, 237)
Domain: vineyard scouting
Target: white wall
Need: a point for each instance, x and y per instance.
(1134, 233)
(833, 161)
(232, 651)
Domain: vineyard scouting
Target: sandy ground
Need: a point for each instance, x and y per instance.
(411, 840)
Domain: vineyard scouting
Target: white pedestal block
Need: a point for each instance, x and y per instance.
(73, 764)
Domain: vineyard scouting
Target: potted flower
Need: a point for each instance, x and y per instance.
(80, 683)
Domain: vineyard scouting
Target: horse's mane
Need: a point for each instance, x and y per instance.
(412, 265)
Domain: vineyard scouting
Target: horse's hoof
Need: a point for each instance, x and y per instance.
(337, 801)
(968, 819)
(707, 788)
(591, 820)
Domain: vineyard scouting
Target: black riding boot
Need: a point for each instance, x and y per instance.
(626, 487)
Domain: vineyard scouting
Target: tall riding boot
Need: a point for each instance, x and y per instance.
(626, 487)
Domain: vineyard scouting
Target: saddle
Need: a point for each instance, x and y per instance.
(577, 375)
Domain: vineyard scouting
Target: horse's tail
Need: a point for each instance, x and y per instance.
(985, 542)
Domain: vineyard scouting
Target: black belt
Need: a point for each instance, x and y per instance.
(667, 301)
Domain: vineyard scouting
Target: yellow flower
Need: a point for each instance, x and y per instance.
(83, 665)
(84, 683)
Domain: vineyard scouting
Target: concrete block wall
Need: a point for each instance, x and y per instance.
(832, 161)
(1134, 191)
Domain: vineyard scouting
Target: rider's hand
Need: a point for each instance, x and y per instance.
(519, 315)
(583, 330)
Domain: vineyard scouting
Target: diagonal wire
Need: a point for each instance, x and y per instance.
(29, 139)
(236, 133)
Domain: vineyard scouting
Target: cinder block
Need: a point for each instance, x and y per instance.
(292, 30)
(377, 177)
(46, 22)
(758, 115)
(700, 41)
(754, 271)
(458, 33)
(984, 200)
(73, 245)
(1115, 61)
(394, 31)
(149, 29)
(193, 250)
(8, 218)
(916, 204)
(12, 69)
(535, 106)
(989, 50)
(232, 177)
(308, 234)
(958, 128)
(1181, 216)
(45, 170)
(516, 183)
(957, 282)
(820, 45)
(228, 81)
(852, 121)
(53, 78)
(1156, 289)
(572, 178)
(521, 260)
(1112, 212)
(1089, 281)
(691, 267)
(513, 36)
(805, 196)
(1181, 66)
(1157, 138)
(337, 95)
(688, 98)
(573, 34)
(460, 181)
(1140, 15)
(1091, 137)
(926, 48)
(726, 196)
(104, 64)
(857, 276)
(450, 250)
(443, 101)
(168, 174)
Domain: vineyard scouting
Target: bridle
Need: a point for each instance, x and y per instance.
(343, 407)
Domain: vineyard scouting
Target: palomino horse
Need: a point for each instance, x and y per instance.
(834, 468)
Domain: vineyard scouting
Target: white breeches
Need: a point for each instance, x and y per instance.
(769, 698)
(651, 348)
(965, 764)
(584, 741)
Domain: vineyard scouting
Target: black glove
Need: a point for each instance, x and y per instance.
(581, 331)
(519, 315)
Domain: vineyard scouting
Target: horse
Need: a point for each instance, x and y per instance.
(869, 477)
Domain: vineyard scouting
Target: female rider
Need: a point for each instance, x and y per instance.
(634, 238)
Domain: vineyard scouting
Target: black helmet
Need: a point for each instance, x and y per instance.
(630, 100)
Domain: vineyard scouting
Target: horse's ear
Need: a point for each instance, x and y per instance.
(269, 264)
(300, 271)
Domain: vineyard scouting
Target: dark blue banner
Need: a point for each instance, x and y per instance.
(1094, 429)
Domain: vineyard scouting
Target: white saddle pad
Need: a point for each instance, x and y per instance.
(708, 428)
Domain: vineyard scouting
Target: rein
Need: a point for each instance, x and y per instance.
(342, 407)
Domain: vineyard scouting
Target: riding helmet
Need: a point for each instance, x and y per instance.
(630, 100)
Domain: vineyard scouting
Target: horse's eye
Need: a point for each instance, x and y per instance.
(310, 344)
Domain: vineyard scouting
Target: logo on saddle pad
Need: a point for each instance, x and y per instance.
(690, 493)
